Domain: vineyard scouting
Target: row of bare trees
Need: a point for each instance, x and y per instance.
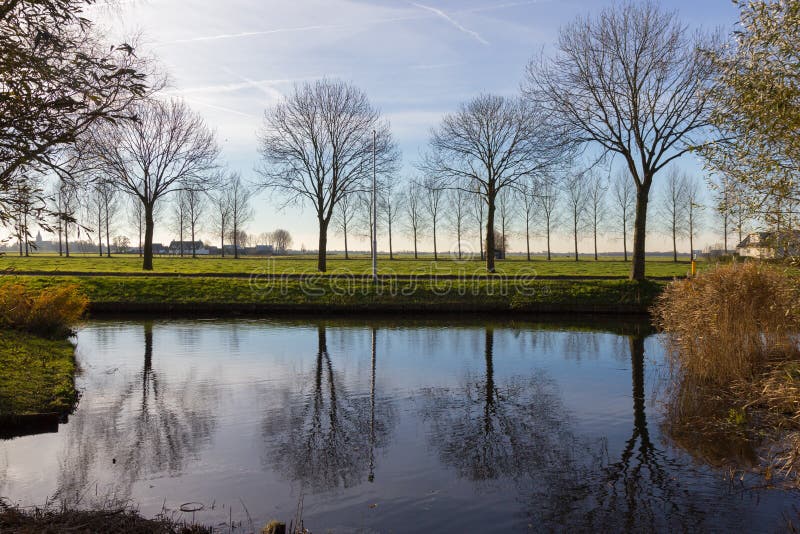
(626, 84)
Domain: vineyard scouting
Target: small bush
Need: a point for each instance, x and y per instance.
(726, 323)
(49, 312)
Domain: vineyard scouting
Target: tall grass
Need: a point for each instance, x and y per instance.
(50, 312)
(728, 322)
(733, 336)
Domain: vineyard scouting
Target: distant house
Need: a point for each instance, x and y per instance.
(261, 250)
(175, 247)
(158, 248)
(768, 245)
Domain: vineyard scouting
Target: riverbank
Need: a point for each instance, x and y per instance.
(37, 385)
(321, 294)
(122, 521)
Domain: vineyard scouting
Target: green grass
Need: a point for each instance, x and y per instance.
(123, 293)
(403, 265)
(36, 374)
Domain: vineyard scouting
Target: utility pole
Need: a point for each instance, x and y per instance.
(374, 212)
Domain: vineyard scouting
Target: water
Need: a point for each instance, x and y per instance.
(381, 426)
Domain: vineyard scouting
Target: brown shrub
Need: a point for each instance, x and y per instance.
(49, 312)
(726, 323)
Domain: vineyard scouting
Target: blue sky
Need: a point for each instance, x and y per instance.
(416, 60)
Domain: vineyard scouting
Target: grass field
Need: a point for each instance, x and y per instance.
(37, 374)
(402, 265)
(325, 294)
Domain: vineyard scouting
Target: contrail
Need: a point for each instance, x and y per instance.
(439, 13)
(250, 34)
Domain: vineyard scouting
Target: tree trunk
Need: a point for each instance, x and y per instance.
(100, 231)
(458, 238)
(322, 264)
(490, 231)
(435, 250)
(674, 244)
(149, 226)
(691, 233)
(575, 233)
(625, 238)
(346, 252)
(640, 231)
(194, 248)
(66, 239)
(108, 233)
(235, 236)
(528, 236)
(180, 234)
(480, 239)
(415, 244)
(60, 249)
(595, 240)
(548, 239)
(391, 254)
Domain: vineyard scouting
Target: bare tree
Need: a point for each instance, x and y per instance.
(415, 216)
(673, 208)
(221, 215)
(23, 199)
(57, 79)
(67, 202)
(390, 202)
(135, 219)
(167, 149)
(195, 201)
(282, 240)
(180, 217)
(694, 207)
(344, 217)
(597, 188)
(110, 205)
(526, 192)
(576, 195)
(624, 199)
(95, 208)
(506, 211)
(241, 211)
(456, 214)
(548, 201)
(319, 145)
(490, 143)
(478, 211)
(631, 80)
(434, 201)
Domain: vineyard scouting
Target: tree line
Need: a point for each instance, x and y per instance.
(626, 94)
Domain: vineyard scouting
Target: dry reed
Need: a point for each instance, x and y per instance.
(48, 312)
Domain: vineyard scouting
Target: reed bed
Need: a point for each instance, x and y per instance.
(733, 338)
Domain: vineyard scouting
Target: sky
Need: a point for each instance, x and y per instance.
(231, 60)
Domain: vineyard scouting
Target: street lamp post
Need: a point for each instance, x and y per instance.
(374, 221)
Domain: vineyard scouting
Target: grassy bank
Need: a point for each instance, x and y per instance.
(401, 265)
(37, 375)
(322, 294)
(121, 521)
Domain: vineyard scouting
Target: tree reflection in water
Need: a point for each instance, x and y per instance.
(518, 431)
(643, 489)
(148, 427)
(487, 430)
(328, 439)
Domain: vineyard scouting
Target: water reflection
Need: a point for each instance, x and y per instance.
(644, 490)
(469, 426)
(149, 426)
(327, 438)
